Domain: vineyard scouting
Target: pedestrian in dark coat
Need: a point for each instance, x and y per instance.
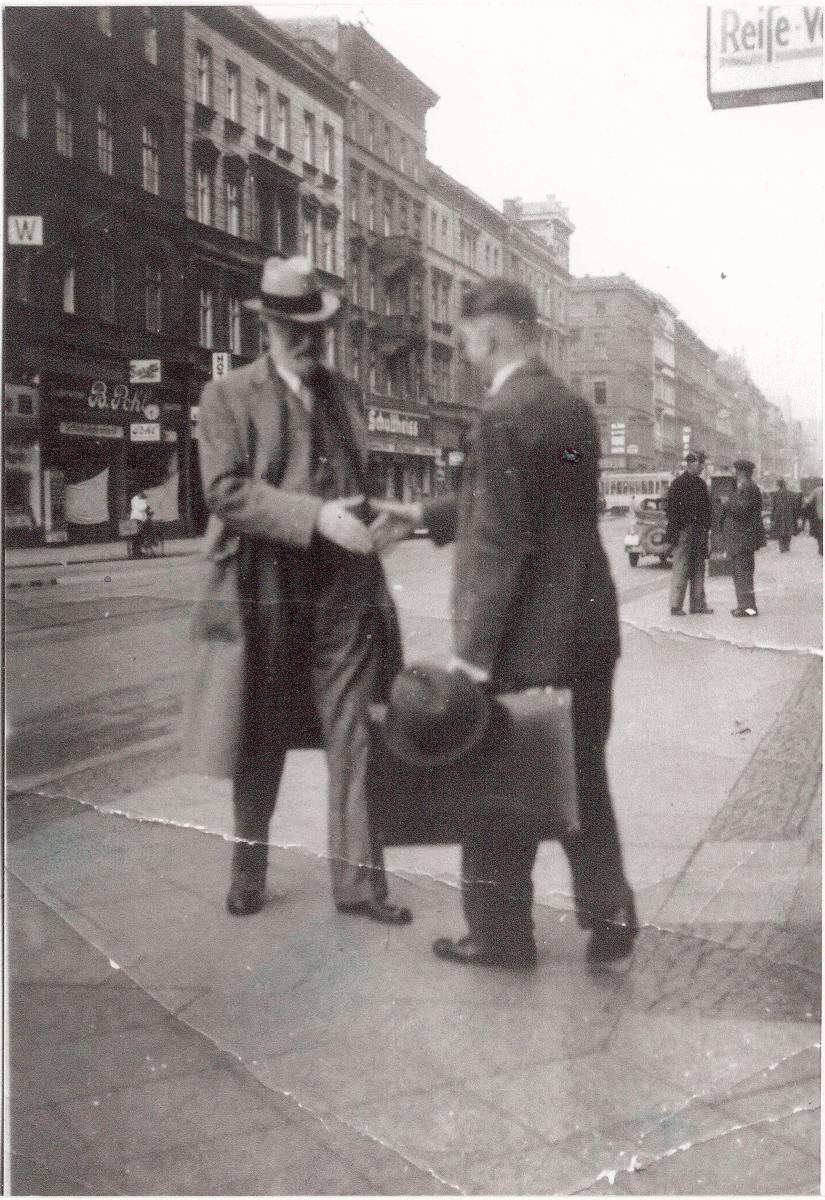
(744, 534)
(688, 528)
(533, 603)
(813, 511)
(783, 516)
(295, 634)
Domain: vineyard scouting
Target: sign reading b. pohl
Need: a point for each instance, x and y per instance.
(765, 54)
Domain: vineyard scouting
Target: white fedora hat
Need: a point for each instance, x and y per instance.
(291, 289)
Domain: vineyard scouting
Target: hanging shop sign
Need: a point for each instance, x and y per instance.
(763, 54)
(391, 423)
(105, 398)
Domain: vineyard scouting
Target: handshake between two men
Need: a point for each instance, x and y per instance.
(337, 521)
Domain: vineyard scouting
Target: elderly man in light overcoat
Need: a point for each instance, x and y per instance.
(295, 634)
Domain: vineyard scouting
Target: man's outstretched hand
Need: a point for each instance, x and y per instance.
(337, 523)
(394, 522)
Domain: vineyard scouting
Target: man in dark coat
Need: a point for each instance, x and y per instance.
(744, 534)
(783, 516)
(294, 590)
(533, 604)
(688, 526)
(813, 511)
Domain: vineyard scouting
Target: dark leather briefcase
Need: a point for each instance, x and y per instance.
(521, 776)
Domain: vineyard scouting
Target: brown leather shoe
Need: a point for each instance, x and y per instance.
(468, 951)
(378, 910)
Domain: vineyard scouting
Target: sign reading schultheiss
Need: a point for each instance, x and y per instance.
(765, 54)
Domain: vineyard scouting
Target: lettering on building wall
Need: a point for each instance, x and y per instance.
(759, 54)
(393, 423)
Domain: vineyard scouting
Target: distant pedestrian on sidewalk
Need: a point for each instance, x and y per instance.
(533, 604)
(688, 529)
(296, 633)
(813, 511)
(140, 513)
(783, 516)
(744, 534)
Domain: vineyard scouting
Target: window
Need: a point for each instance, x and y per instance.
(402, 155)
(105, 140)
(233, 92)
(329, 150)
(495, 260)
(416, 232)
(205, 189)
(444, 232)
(283, 123)
(355, 277)
(371, 132)
(387, 214)
(154, 298)
(373, 372)
(600, 393)
(233, 322)
(69, 288)
(206, 332)
(233, 207)
(372, 289)
(487, 256)
(104, 20)
(331, 346)
(277, 226)
(107, 287)
(309, 139)
(371, 202)
(151, 160)
(599, 344)
(262, 117)
(329, 248)
(18, 100)
(356, 363)
(355, 196)
(403, 217)
(150, 37)
(309, 248)
(416, 164)
(387, 142)
(433, 228)
(63, 122)
(204, 80)
(600, 308)
(253, 208)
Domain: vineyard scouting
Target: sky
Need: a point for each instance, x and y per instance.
(604, 104)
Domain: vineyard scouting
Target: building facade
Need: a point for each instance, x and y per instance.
(96, 356)
(264, 164)
(385, 348)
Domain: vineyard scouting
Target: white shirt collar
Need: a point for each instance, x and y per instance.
(503, 374)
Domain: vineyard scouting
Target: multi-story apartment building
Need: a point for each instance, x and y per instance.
(385, 343)
(264, 163)
(538, 255)
(615, 327)
(95, 352)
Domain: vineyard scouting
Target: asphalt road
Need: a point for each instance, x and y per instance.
(96, 665)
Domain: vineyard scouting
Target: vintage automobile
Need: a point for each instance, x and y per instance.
(647, 533)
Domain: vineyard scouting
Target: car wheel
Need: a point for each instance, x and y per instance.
(633, 560)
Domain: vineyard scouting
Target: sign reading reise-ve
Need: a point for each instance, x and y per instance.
(765, 54)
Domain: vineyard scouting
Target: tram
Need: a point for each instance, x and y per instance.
(621, 490)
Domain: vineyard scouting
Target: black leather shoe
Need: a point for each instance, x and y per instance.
(245, 898)
(379, 910)
(470, 952)
(613, 934)
(701, 612)
(677, 612)
(744, 612)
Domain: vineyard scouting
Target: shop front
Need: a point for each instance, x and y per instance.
(23, 515)
(402, 454)
(103, 442)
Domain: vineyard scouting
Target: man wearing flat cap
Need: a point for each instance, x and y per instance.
(533, 604)
(688, 528)
(295, 634)
(744, 534)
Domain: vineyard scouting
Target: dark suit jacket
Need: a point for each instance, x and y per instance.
(533, 599)
(742, 520)
(688, 503)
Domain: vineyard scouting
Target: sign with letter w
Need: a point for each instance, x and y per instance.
(25, 231)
